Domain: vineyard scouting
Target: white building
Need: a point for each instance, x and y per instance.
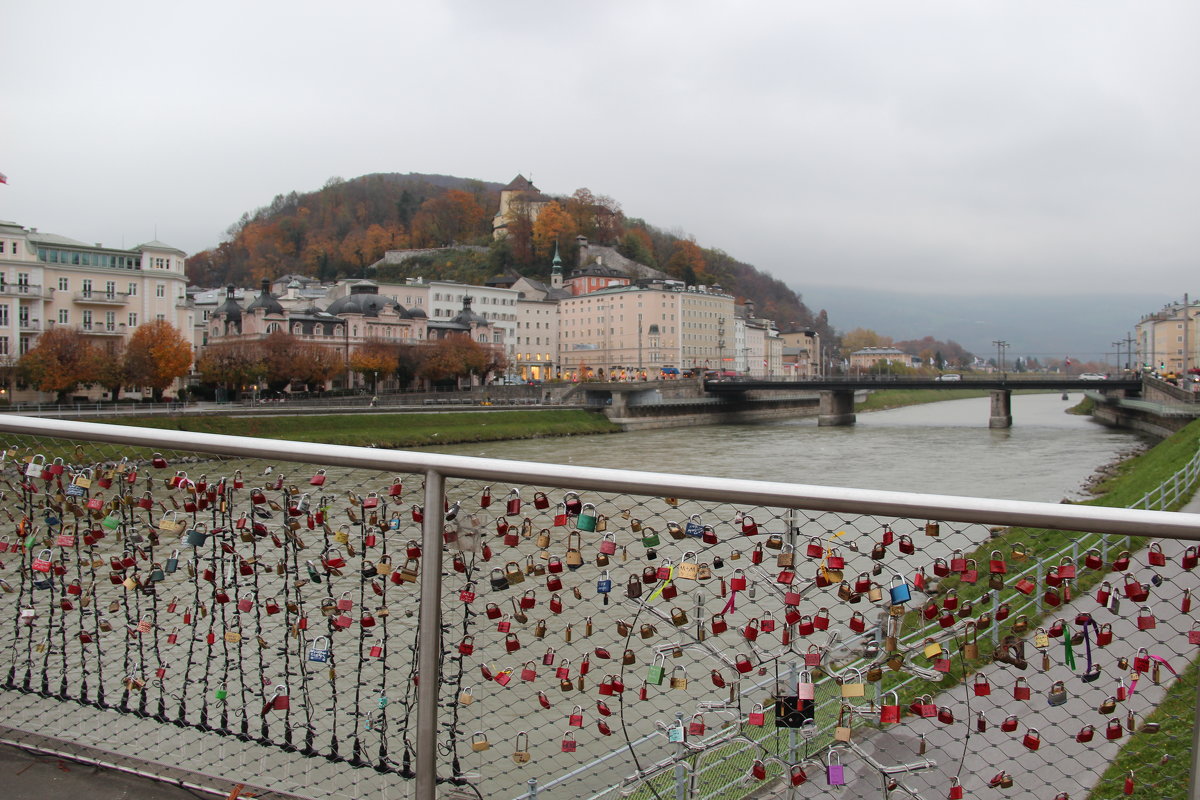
(105, 292)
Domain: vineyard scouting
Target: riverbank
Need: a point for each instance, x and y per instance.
(898, 398)
(398, 430)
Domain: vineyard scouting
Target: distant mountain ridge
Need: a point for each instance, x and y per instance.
(1082, 326)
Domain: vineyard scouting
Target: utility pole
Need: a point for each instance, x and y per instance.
(1129, 341)
(1117, 344)
(1000, 347)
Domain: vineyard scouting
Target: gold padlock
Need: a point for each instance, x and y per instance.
(678, 616)
(679, 678)
(479, 742)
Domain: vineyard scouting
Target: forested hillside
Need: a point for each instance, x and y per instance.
(342, 229)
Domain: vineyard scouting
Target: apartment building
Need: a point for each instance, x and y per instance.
(647, 327)
(1166, 339)
(48, 280)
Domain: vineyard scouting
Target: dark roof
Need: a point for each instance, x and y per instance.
(520, 184)
(468, 317)
(266, 300)
(364, 298)
(230, 308)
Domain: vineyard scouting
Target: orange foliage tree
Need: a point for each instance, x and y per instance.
(157, 354)
(553, 225)
(62, 361)
(374, 358)
(457, 357)
(687, 262)
(448, 218)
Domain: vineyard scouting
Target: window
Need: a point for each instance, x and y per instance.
(110, 288)
(160, 290)
(4, 315)
(162, 318)
(87, 319)
(133, 290)
(87, 288)
(3, 345)
(24, 345)
(64, 284)
(110, 320)
(64, 316)
(133, 320)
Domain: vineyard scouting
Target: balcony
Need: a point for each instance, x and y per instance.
(103, 329)
(33, 291)
(101, 298)
(30, 324)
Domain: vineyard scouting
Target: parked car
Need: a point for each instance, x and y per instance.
(949, 376)
(1093, 376)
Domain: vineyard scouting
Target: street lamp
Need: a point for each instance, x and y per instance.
(376, 391)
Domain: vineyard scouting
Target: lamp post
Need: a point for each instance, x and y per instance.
(376, 390)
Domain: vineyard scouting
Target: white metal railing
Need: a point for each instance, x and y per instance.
(437, 468)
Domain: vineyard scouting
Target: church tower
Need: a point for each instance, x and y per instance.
(556, 276)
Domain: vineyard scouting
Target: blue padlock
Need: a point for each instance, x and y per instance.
(694, 527)
(900, 594)
(604, 584)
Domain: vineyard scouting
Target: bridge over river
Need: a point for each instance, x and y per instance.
(837, 393)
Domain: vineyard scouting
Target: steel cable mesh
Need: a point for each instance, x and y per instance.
(585, 653)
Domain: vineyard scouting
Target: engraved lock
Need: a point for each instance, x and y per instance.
(679, 679)
(1058, 694)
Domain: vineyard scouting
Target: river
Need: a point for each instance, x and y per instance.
(938, 448)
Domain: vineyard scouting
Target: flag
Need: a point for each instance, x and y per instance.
(3, 178)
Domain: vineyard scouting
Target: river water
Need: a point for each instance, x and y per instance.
(937, 448)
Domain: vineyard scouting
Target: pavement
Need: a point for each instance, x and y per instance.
(30, 776)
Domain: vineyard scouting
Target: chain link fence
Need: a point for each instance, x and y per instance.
(254, 618)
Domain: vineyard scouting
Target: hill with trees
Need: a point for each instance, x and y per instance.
(342, 229)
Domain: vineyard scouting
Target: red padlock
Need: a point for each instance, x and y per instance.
(1032, 740)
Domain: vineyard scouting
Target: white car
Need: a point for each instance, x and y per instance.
(1093, 376)
(949, 376)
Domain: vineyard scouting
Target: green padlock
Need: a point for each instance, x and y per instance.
(650, 537)
(111, 522)
(657, 670)
(222, 693)
(586, 521)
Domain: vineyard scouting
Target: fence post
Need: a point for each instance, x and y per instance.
(680, 769)
(1037, 586)
(1194, 771)
(429, 640)
(533, 790)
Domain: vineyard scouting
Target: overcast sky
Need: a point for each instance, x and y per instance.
(922, 146)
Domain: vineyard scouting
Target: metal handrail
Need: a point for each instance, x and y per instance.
(948, 508)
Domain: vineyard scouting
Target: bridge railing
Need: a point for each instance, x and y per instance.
(346, 622)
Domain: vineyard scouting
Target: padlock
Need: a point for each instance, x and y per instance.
(834, 772)
(656, 671)
(1113, 730)
(679, 617)
(1058, 694)
(679, 679)
(320, 651)
(757, 716)
(1009, 724)
(1145, 619)
(853, 687)
(899, 591)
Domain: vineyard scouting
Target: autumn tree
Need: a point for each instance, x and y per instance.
(112, 372)
(457, 357)
(314, 365)
(859, 338)
(374, 358)
(63, 360)
(157, 354)
(687, 262)
(454, 216)
(553, 226)
(231, 364)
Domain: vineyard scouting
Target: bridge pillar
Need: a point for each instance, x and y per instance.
(1001, 409)
(837, 407)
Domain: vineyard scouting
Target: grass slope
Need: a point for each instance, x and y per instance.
(392, 430)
